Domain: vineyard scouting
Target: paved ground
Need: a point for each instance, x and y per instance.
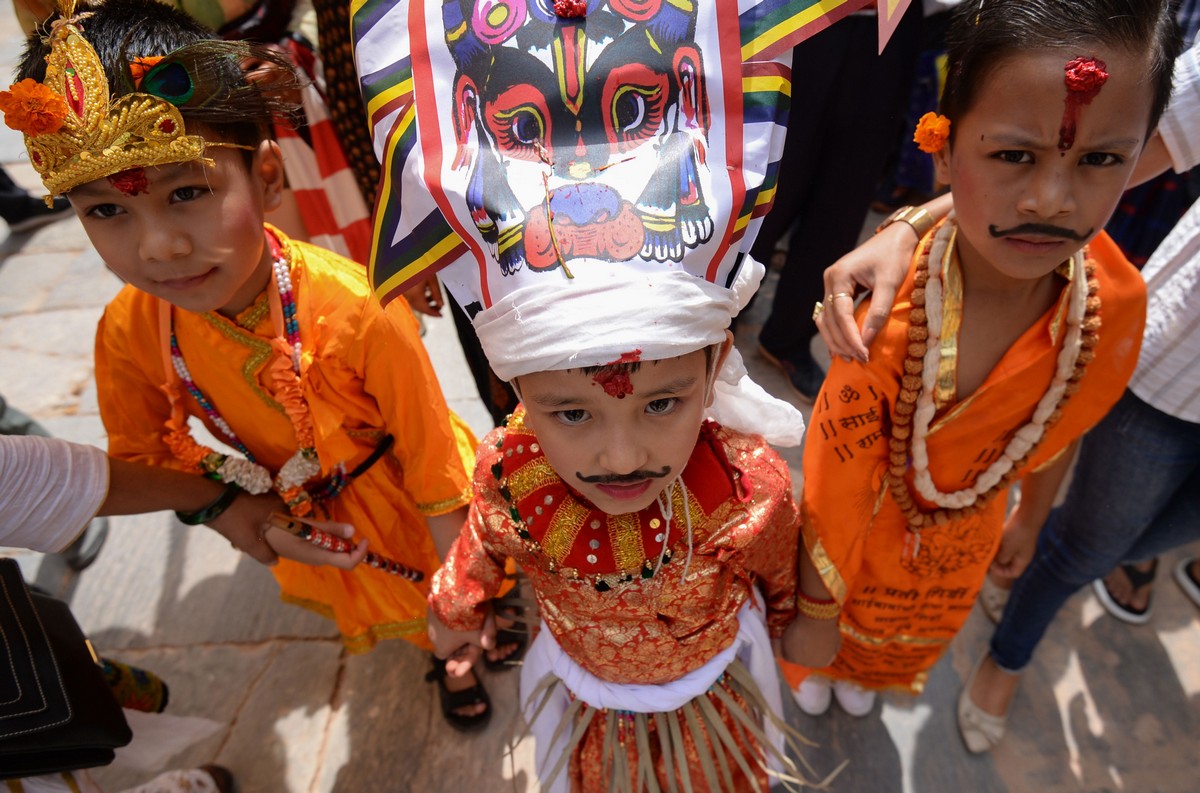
(1104, 708)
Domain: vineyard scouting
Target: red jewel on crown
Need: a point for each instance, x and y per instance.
(570, 9)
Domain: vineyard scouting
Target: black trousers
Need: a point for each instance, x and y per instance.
(14, 201)
(846, 112)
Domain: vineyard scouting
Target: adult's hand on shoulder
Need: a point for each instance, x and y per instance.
(878, 266)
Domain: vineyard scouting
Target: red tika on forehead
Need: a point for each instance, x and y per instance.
(131, 182)
(616, 383)
(1084, 78)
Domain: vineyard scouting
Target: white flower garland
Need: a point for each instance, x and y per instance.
(251, 477)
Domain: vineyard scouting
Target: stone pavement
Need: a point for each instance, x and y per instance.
(1105, 707)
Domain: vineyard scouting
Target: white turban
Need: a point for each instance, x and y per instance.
(604, 313)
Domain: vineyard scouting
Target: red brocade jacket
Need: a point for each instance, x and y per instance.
(594, 574)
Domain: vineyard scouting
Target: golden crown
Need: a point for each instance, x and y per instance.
(75, 135)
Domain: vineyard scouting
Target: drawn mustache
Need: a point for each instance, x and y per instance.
(1041, 228)
(623, 479)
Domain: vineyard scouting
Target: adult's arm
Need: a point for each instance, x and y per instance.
(51, 488)
(134, 488)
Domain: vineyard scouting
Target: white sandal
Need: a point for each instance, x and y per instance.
(1189, 585)
(980, 730)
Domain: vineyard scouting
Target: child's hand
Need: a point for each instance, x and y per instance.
(271, 69)
(292, 547)
(242, 524)
(812, 643)
(461, 649)
(425, 297)
(1017, 545)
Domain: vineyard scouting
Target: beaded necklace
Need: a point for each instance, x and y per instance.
(248, 473)
(915, 410)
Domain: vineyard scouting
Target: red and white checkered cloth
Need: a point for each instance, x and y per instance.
(330, 203)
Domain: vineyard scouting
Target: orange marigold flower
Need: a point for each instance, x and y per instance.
(139, 66)
(933, 130)
(32, 108)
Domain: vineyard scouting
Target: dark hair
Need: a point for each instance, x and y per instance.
(984, 32)
(121, 30)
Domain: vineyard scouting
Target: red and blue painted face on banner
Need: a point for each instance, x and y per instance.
(580, 138)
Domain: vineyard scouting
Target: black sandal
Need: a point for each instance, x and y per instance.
(1138, 579)
(453, 700)
(514, 608)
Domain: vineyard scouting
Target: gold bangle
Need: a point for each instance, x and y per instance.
(817, 609)
(918, 218)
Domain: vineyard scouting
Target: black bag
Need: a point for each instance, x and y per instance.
(57, 713)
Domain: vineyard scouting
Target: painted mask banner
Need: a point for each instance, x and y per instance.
(519, 145)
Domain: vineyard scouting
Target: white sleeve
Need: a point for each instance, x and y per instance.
(1180, 125)
(49, 490)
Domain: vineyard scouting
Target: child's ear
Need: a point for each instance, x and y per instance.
(941, 164)
(268, 166)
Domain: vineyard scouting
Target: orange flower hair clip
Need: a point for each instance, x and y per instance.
(933, 130)
(138, 67)
(33, 108)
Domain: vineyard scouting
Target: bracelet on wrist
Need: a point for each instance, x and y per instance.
(814, 609)
(213, 510)
(916, 217)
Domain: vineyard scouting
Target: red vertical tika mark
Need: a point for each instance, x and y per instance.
(616, 383)
(1084, 77)
(131, 182)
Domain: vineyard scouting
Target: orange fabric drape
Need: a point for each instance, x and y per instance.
(900, 611)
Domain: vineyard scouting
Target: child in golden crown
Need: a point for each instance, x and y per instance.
(586, 178)
(151, 129)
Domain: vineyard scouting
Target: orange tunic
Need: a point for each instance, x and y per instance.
(900, 610)
(366, 374)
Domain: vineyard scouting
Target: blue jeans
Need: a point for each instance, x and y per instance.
(1135, 494)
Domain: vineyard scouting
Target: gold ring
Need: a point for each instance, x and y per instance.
(836, 295)
(817, 309)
